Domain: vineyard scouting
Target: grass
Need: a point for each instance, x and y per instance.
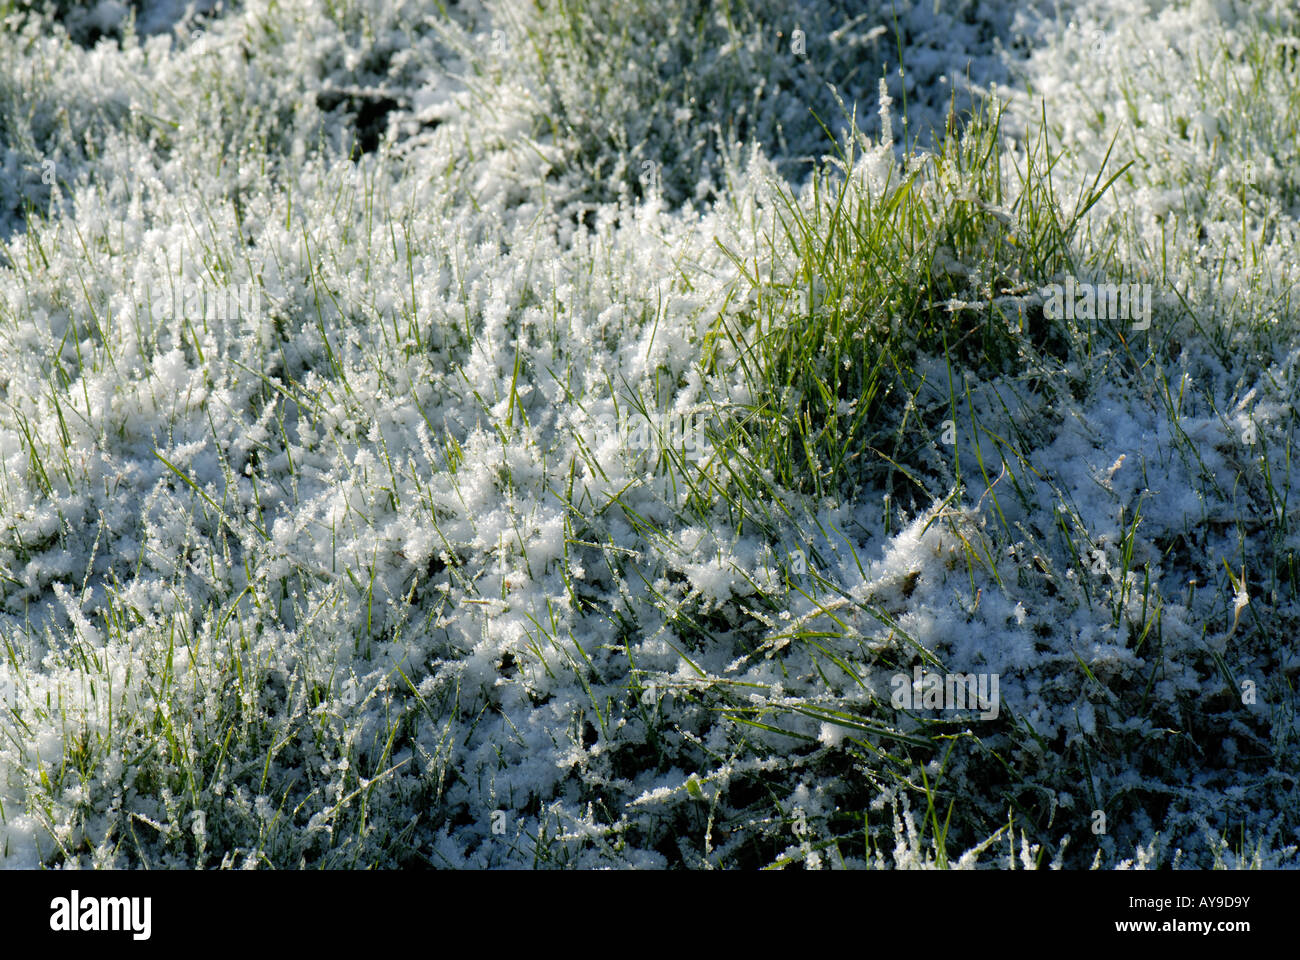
(547, 517)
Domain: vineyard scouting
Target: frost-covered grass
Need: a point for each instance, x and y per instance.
(622, 408)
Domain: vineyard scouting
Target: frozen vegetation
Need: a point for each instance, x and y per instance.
(497, 434)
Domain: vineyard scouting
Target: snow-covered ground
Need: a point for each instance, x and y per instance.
(524, 433)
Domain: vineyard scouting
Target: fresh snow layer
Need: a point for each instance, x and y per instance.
(373, 576)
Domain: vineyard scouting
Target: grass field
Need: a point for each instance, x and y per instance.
(571, 434)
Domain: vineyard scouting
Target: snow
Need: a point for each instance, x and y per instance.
(392, 533)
